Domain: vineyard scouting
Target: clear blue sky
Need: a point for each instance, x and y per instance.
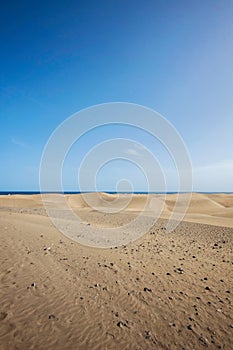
(58, 57)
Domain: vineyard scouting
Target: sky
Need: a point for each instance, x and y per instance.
(59, 57)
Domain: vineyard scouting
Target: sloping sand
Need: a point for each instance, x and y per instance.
(163, 291)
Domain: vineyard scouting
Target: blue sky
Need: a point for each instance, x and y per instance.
(172, 56)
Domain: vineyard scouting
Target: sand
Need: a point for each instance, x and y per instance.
(162, 291)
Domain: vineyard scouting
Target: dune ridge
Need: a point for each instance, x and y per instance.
(215, 209)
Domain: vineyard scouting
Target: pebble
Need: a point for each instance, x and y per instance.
(204, 341)
(190, 327)
(179, 270)
(51, 317)
(147, 289)
(147, 335)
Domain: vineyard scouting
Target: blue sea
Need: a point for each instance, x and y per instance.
(110, 192)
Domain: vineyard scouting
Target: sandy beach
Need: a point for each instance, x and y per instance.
(162, 291)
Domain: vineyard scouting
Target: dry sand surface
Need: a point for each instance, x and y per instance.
(162, 291)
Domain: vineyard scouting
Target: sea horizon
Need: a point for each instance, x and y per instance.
(3, 193)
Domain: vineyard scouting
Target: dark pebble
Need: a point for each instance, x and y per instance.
(147, 335)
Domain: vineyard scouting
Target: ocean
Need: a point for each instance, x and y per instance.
(4, 193)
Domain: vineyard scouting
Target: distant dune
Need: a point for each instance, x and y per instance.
(212, 209)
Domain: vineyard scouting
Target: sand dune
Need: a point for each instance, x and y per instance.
(212, 209)
(163, 291)
(23, 201)
(205, 208)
